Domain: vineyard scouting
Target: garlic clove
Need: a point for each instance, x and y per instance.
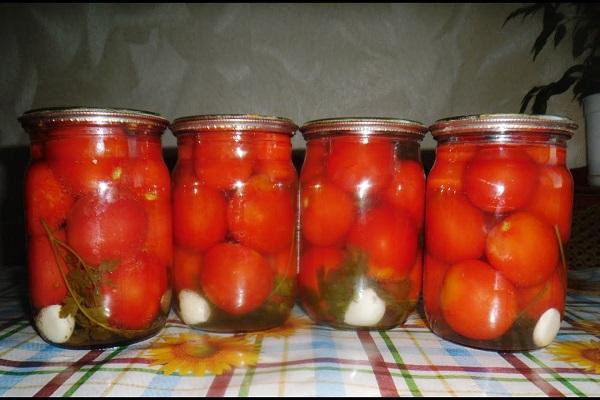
(365, 309)
(546, 328)
(52, 327)
(193, 308)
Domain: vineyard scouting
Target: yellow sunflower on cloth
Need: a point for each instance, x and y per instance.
(287, 329)
(591, 327)
(585, 354)
(190, 353)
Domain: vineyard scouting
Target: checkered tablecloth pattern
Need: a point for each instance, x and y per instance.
(313, 361)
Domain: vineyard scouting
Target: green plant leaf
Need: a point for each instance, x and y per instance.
(559, 35)
(527, 98)
(525, 11)
(551, 20)
(580, 36)
(562, 85)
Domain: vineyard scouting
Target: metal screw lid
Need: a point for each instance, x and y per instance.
(233, 122)
(363, 126)
(503, 123)
(39, 118)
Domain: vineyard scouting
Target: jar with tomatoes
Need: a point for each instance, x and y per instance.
(362, 193)
(98, 222)
(498, 217)
(234, 216)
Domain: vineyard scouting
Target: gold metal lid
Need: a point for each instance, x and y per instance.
(48, 117)
(503, 123)
(363, 126)
(233, 122)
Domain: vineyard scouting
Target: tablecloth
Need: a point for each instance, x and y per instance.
(299, 359)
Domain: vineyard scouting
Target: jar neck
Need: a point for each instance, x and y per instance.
(505, 138)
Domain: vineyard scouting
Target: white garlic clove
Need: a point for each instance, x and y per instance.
(365, 309)
(193, 308)
(52, 327)
(546, 328)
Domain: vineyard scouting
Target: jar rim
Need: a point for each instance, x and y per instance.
(41, 117)
(503, 123)
(363, 126)
(232, 122)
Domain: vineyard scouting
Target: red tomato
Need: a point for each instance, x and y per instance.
(536, 300)
(314, 160)
(185, 148)
(83, 162)
(552, 201)
(222, 162)
(547, 154)
(87, 142)
(159, 239)
(262, 216)
(434, 272)
(315, 259)
(199, 215)
(183, 174)
(500, 179)
(359, 164)
(133, 292)
(148, 178)
(145, 147)
(236, 278)
(44, 199)
(523, 248)
(446, 174)
(415, 277)
(389, 238)
(278, 171)
(284, 262)
(477, 301)
(454, 229)
(46, 284)
(36, 150)
(271, 146)
(186, 269)
(407, 190)
(102, 230)
(326, 213)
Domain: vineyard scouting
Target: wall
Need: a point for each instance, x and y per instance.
(301, 61)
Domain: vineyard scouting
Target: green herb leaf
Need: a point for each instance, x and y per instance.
(337, 288)
(84, 299)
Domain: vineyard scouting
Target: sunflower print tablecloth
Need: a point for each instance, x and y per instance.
(299, 359)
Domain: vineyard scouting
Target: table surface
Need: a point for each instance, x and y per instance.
(299, 359)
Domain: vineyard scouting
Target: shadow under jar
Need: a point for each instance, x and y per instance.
(498, 217)
(234, 215)
(362, 190)
(98, 216)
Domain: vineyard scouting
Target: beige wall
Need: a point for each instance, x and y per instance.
(301, 61)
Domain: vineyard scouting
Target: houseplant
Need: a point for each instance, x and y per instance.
(580, 22)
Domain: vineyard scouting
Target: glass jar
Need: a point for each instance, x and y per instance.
(362, 192)
(498, 217)
(98, 216)
(234, 215)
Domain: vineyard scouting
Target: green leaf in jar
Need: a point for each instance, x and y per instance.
(281, 298)
(84, 299)
(337, 287)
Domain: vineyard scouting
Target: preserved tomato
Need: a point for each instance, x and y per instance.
(498, 216)
(234, 208)
(362, 193)
(97, 207)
